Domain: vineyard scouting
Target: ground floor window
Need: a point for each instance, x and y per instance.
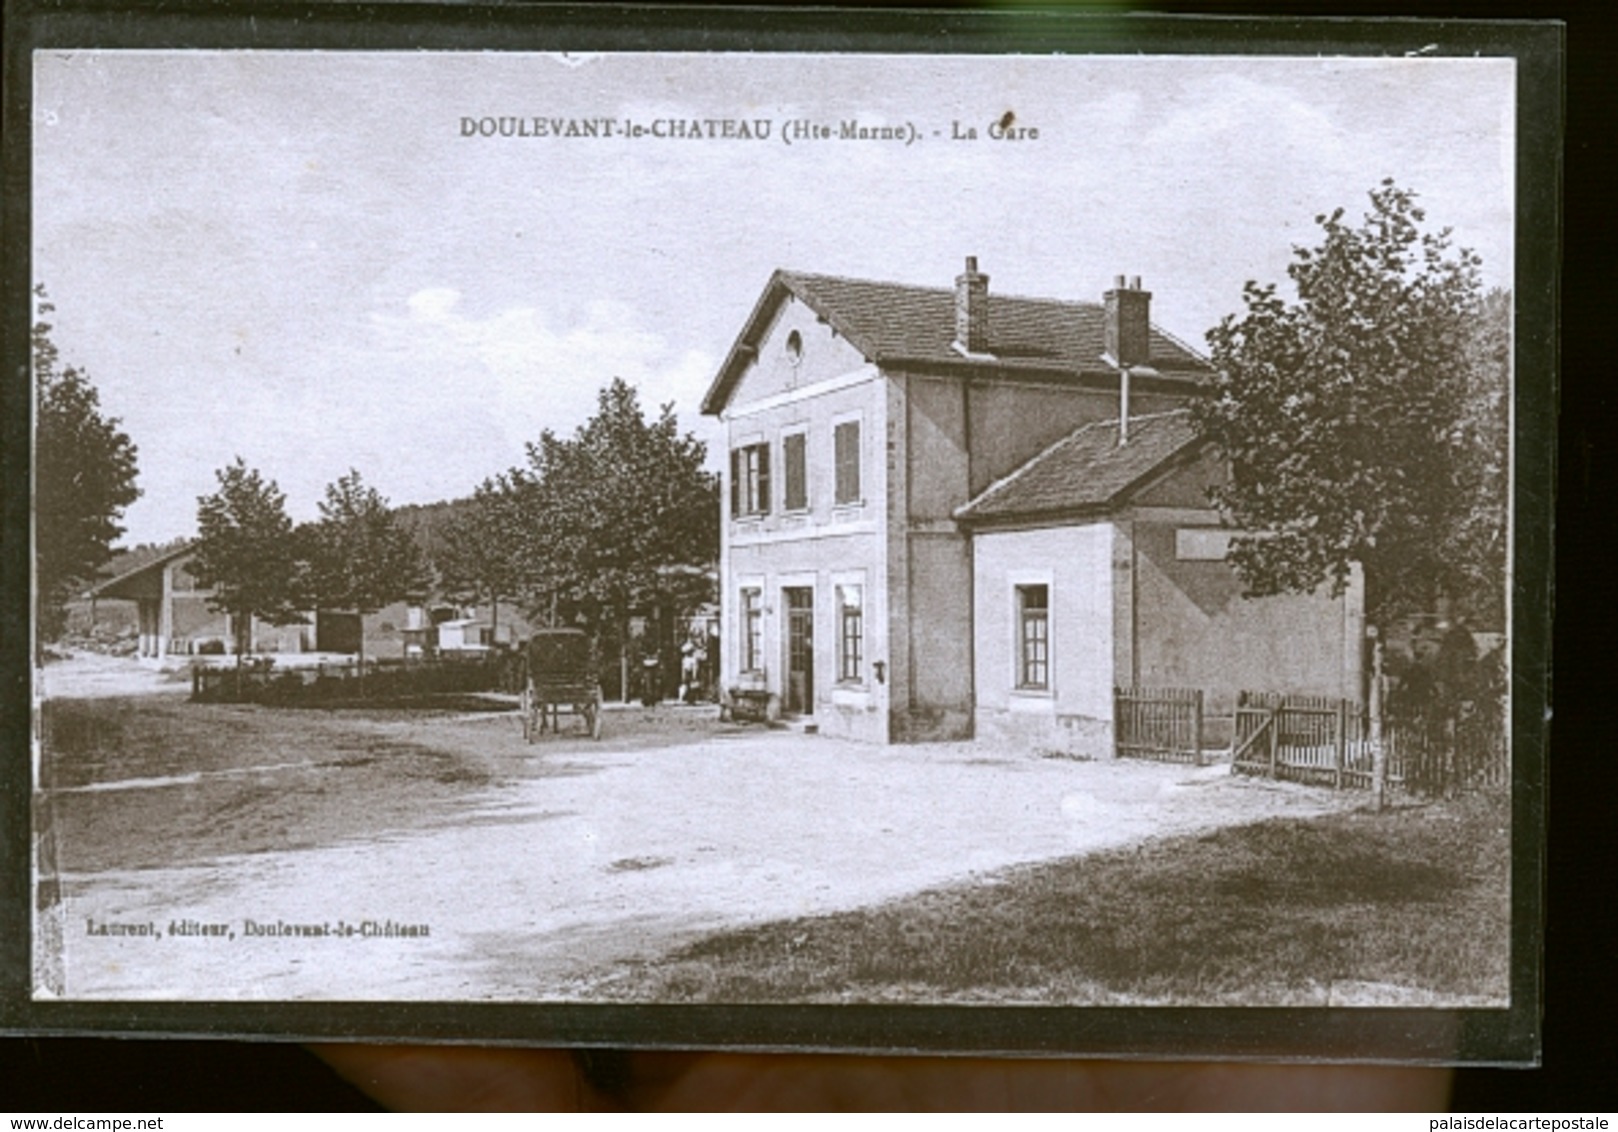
(752, 605)
(850, 633)
(1034, 637)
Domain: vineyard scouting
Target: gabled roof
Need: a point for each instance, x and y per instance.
(1087, 470)
(112, 586)
(893, 324)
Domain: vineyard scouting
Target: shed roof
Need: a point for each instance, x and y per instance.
(898, 324)
(1087, 470)
(118, 585)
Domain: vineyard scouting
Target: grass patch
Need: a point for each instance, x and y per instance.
(1284, 912)
(414, 706)
(152, 781)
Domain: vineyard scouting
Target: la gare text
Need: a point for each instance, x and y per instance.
(790, 131)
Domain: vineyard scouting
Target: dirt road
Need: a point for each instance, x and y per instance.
(205, 851)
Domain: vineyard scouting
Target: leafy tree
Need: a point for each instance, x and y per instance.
(620, 516)
(1477, 546)
(473, 549)
(246, 552)
(84, 478)
(1364, 422)
(360, 557)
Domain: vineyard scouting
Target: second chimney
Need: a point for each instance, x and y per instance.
(972, 309)
(1128, 322)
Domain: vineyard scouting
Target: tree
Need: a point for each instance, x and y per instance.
(622, 515)
(1362, 422)
(84, 478)
(246, 552)
(472, 550)
(1478, 544)
(359, 556)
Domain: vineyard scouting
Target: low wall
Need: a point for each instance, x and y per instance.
(1046, 732)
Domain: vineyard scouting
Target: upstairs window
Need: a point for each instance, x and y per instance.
(846, 438)
(794, 453)
(1034, 637)
(750, 480)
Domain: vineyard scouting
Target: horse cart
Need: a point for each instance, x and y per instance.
(560, 673)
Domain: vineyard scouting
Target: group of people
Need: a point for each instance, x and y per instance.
(699, 668)
(649, 680)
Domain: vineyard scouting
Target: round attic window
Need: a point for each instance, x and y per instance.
(794, 347)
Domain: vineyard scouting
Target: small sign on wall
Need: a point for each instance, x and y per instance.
(1202, 544)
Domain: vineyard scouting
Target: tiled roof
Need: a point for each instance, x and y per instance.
(1086, 470)
(891, 323)
(887, 321)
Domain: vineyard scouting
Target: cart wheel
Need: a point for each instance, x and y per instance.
(592, 715)
(526, 707)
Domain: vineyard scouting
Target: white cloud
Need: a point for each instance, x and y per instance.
(537, 370)
(433, 304)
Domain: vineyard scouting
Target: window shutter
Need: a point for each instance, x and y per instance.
(735, 482)
(764, 479)
(846, 439)
(797, 482)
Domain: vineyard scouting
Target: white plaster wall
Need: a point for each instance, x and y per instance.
(823, 544)
(774, 372)
(1075, 714)
(856, 711)
(1194, 629)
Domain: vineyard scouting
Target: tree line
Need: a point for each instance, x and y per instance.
(84, 478)
(355, 558)
(618, 517)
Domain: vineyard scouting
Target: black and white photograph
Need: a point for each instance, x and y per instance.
(774, 529)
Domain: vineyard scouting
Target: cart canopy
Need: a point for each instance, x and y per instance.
(561, 653)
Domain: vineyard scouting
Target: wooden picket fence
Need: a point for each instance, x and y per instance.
(1313, 739)
(1329, 742)
(1163, 724)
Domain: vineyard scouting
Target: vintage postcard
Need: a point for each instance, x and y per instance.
(734, 529)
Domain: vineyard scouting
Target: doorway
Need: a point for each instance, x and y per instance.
(800, 689)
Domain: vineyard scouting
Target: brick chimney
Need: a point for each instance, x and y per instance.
(972, 309)
(1128, 322)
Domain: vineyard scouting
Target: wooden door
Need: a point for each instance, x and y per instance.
(800, 683)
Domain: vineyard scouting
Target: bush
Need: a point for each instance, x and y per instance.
(392, 681)
(284, 689)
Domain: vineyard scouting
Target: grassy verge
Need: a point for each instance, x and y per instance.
(152, 781)
(1411, 905)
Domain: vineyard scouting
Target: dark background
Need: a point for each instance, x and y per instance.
(1580, 1051)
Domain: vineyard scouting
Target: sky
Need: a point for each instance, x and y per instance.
(306, 260)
